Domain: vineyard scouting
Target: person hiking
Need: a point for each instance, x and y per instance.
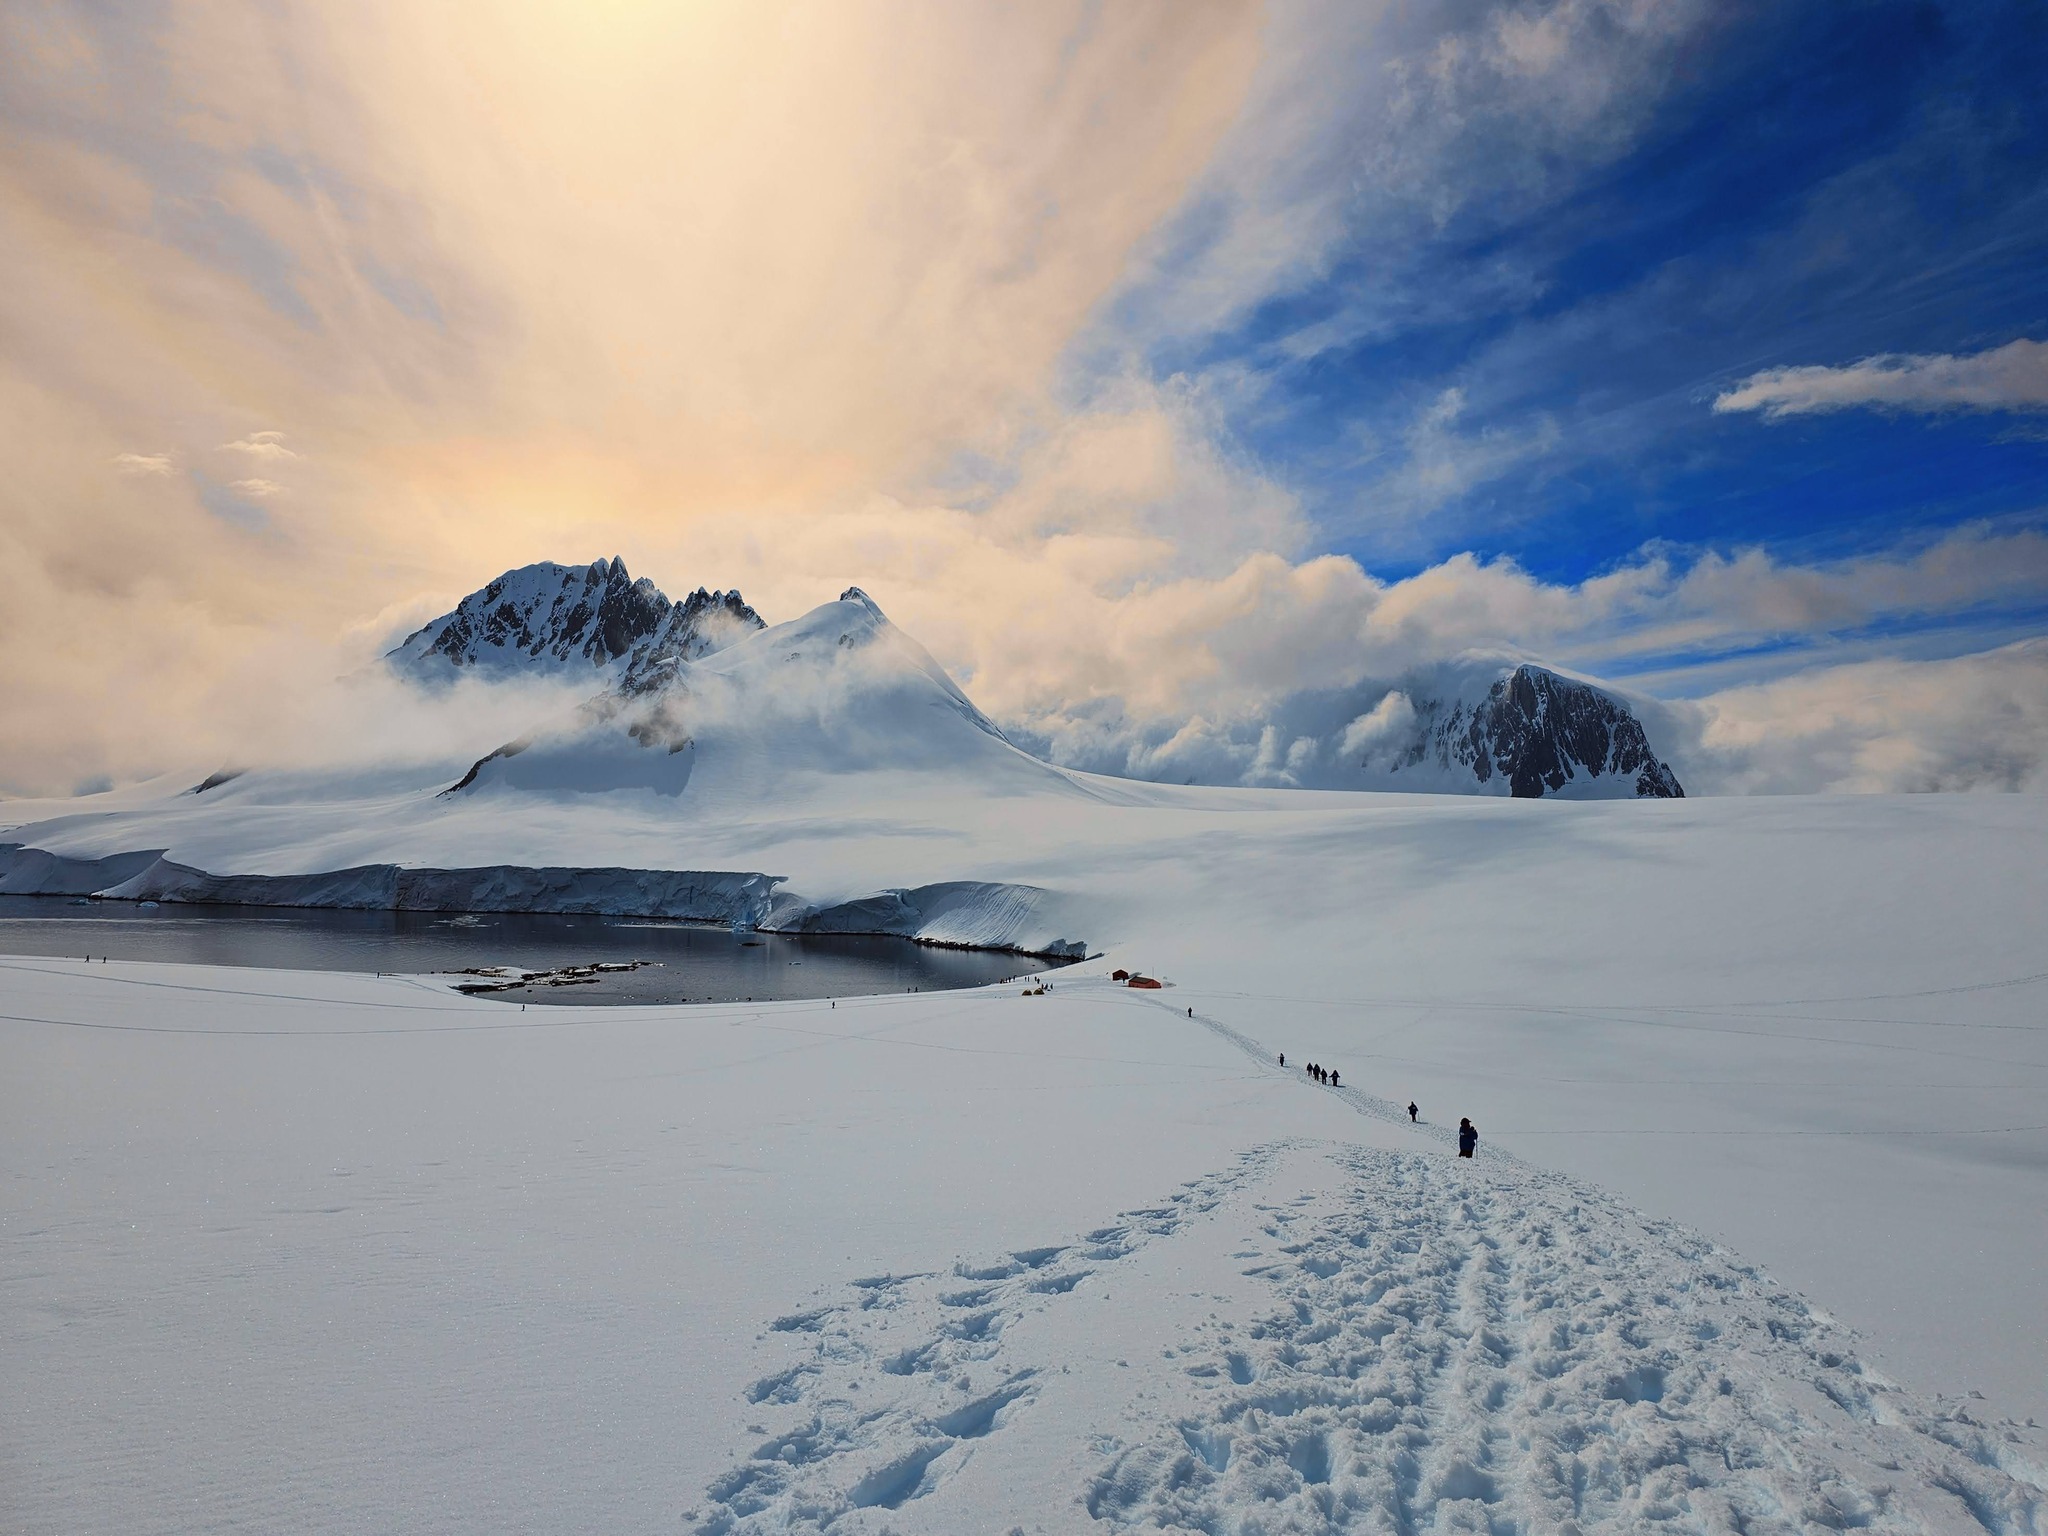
(1411, 1111)
(1283, 1058)
(1333, 1079)
(1468, 1136)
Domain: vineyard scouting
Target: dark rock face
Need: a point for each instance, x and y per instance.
(701, 623)
(549, 617)
(1540, 731)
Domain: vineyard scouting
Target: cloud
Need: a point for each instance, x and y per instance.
(1373, 127)
(1977, 722)
(1181, 679)
(1389, 720)
(2013, 377)
(260, 445)
(1439, 462)
(785, 299)
(701, 285)
(158, 464)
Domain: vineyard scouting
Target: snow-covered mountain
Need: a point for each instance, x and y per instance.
(1532, 732)
(1479, 724)
(839, 691)
(549, 618)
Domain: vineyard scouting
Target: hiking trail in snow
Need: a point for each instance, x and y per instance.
(1407, 1343)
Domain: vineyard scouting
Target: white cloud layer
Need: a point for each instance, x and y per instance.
(2013, 377)
(1965, 723)
(268, 446)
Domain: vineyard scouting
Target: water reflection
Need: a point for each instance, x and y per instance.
(684, 962)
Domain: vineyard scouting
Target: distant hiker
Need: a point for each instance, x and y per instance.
(1334, 1077)
(1411, 1111)
(1468, 1136)
(1191, 1013)
(1283, 1058)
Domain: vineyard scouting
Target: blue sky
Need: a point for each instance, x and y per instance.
(1526, 368)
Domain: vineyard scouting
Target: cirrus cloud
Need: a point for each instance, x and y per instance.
(2013, 377)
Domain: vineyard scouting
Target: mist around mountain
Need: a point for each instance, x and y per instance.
(865, 693)
(1480, 723)
(838, 691)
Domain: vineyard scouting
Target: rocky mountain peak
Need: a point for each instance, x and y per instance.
(548, 618)
(1538, 732)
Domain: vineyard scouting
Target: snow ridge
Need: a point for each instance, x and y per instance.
(960, 914)
(557, 618)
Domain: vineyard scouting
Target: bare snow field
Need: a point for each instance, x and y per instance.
(1759, 1203)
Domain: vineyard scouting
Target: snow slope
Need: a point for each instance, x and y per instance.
(346, 1253)
(1807, 1025)
(330, 1253)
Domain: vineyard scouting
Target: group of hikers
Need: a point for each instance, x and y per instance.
(1468, 1133)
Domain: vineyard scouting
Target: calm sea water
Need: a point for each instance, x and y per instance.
(687, 962)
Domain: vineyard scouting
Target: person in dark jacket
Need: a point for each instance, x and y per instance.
(1334, 1077)
(1411, 1111)
(1283, 1058)
(1468, 1136)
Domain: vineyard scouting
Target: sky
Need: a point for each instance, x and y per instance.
(1146, 362)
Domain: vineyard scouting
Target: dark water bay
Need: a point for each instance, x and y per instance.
(680, 962)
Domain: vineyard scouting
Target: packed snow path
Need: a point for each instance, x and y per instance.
(1405, 1343)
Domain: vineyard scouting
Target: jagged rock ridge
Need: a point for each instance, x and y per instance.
(551, 618)
(1539, 732)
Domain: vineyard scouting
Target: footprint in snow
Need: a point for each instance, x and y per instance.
(904, 1379)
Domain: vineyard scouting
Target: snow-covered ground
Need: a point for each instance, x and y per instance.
(286, 1251)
